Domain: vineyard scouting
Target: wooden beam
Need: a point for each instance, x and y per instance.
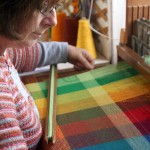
(138, 2)
(134, 60)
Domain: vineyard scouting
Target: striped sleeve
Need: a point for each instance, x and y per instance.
(11, 136)
(52, 53)
(41, 54)
(25, 59)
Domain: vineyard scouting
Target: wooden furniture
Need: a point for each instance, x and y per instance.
(136, 9)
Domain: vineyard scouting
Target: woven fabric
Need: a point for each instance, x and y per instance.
(106, 108)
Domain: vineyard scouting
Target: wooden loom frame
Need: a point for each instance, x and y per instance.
(135, 10)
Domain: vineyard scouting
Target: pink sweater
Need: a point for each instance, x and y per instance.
(20, 126)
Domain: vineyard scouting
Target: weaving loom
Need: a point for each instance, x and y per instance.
(136, 12)
(106, 108)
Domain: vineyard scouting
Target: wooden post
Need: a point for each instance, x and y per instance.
(123, 37)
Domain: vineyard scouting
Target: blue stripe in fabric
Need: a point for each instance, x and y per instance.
(115, 145)
(147, 137)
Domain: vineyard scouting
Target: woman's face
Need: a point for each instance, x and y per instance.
(35, 28)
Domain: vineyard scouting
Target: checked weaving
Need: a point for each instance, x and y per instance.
(106, 108)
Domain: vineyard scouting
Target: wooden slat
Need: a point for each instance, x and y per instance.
(140, 12)
(129, 24)
(135, 17)
(134, 60)
(136, 9)
(137, 2)
(149, 12)
(123, 38)
(146, 12)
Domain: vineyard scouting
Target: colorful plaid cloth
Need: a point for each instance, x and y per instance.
(103, 109)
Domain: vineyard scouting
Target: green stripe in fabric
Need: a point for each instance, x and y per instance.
(70, 88)
(101, 81)
(80, 115)
(96, 73)
(117, 76)
(103, 71)
(39, 94)
(90, 84)
(68, 80)
(43, 85)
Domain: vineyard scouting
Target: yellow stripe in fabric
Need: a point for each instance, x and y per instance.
(127, 88)
(33, 87)
(43, 112)
(100, 96)
(66, 107)
(75, 106)
(96, 96)
(125, 83)
(40, 103)
(73, 96)
(42, 107)
(128, 93)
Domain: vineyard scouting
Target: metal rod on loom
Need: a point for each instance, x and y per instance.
(50, 129)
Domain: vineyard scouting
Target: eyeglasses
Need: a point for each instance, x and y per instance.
(45, 10)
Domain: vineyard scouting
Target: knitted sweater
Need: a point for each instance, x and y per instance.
(20, 126)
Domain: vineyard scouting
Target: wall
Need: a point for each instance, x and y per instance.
(118, 21)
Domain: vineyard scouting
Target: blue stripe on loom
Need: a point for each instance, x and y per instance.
(115, 145)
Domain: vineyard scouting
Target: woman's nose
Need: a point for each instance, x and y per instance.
(50, 20)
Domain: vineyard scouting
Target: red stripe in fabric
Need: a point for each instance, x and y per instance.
(86, 126)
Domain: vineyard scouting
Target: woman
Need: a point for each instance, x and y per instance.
(22, 22)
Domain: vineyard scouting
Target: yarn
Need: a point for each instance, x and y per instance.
(85, 38)
(57, 31)
(70, 30)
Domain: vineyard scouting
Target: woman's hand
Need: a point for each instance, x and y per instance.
(80, 58)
